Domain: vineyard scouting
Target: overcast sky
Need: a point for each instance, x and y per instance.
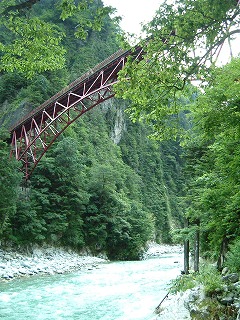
(134, 12)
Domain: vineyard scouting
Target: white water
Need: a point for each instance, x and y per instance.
(114, 291)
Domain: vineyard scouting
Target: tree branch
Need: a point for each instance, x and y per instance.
(213, 47)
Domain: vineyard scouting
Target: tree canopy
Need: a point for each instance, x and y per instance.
(33, 44)
(183, 41)
(214, 154)
(181, 49)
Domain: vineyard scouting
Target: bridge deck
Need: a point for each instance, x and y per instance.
(72, 87)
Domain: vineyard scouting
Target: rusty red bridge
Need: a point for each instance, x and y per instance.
(36, 132)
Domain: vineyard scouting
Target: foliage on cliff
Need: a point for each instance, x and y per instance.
(87, 191)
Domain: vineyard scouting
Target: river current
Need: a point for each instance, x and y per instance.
(114, 291)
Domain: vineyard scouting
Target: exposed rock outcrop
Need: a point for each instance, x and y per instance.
(119, 126)
(223, 304)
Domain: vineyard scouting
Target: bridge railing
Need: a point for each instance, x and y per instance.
(87, 75)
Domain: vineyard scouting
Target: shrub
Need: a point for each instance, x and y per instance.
(183, 283)
(209, 277)
(233, 257)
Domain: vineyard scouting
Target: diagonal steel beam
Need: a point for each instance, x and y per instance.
(34, 134)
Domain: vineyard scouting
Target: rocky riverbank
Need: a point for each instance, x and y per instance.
(223, 303)
(174, 307)
(155, 250)
(49, 260)
(39, 261)
(195, 303)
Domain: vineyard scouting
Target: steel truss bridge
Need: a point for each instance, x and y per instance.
(35, 133)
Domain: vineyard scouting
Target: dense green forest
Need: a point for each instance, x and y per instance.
(104, 184)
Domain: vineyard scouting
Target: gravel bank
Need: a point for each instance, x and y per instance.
(156, 250)
(43, 261)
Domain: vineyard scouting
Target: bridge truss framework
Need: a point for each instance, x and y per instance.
(33, 135)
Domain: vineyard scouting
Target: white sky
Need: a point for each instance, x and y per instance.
(134, 12)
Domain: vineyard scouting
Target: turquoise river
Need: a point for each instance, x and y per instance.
(113, 291)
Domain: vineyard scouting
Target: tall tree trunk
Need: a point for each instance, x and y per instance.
(186, 256)
(186, 251)
(196, 248)
(223, 251)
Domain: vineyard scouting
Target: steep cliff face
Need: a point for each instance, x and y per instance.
(119, 126)
(115, 117)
